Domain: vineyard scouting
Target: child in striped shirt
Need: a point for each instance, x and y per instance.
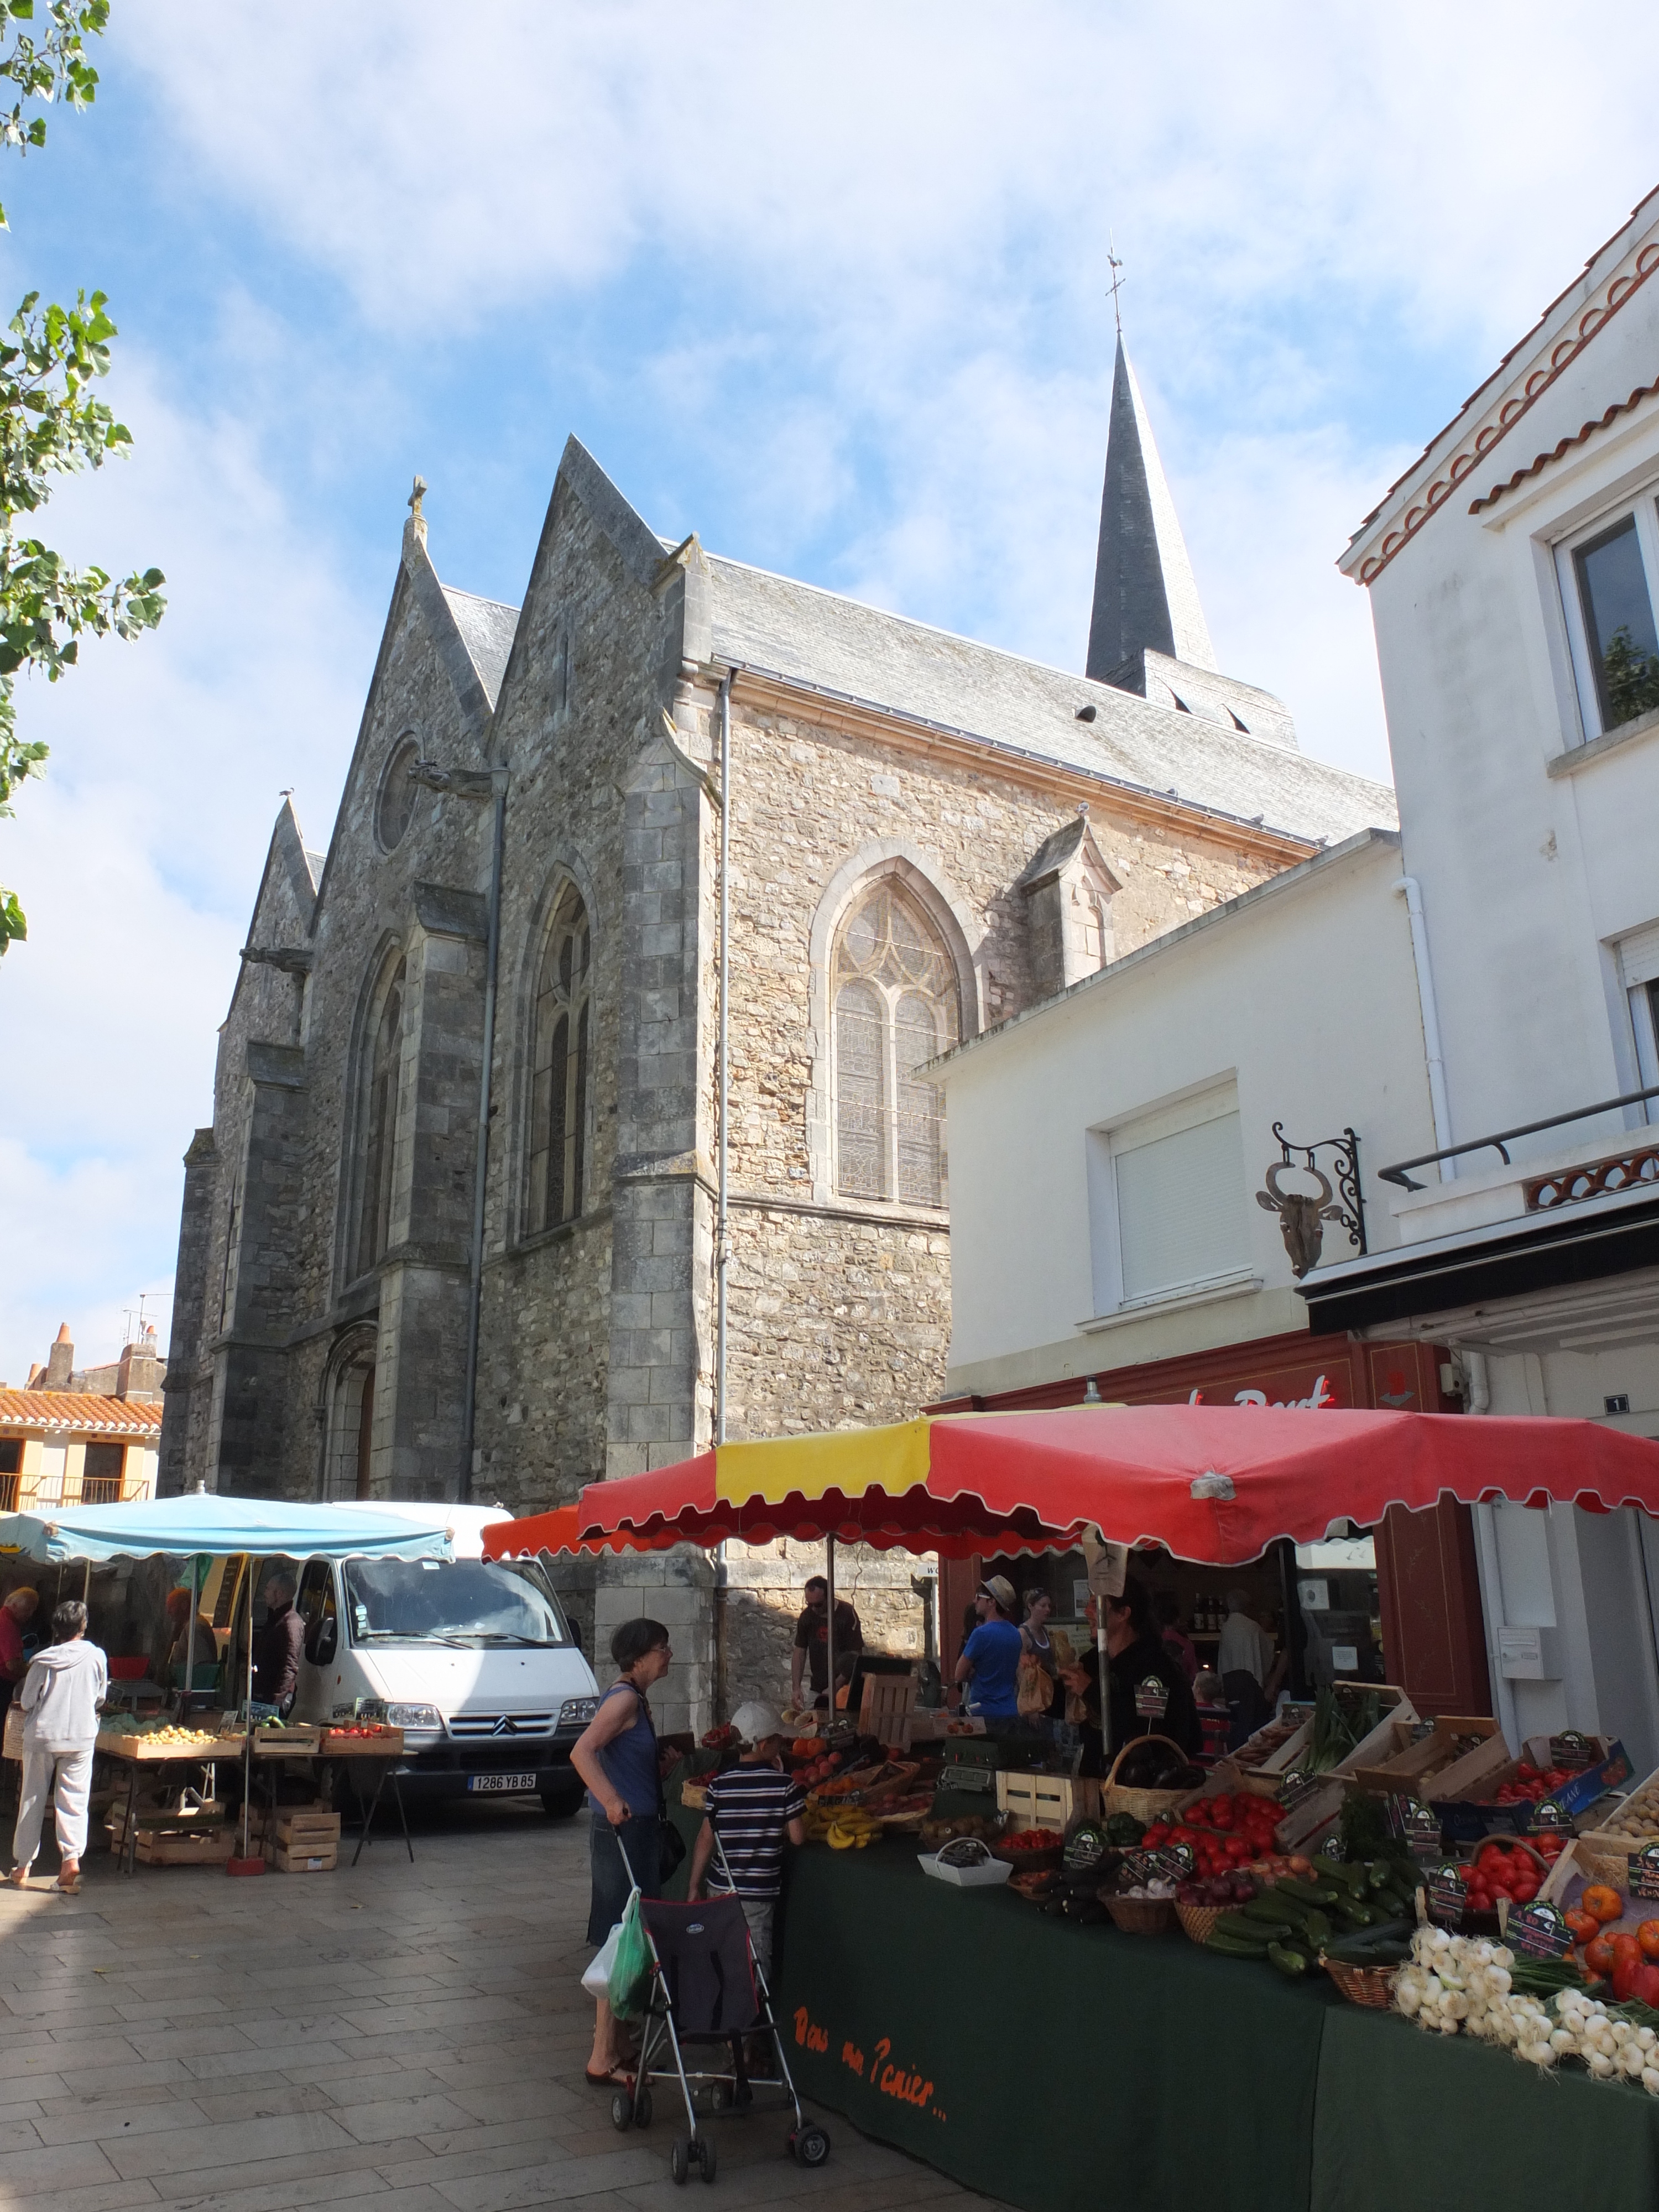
(752, 1807)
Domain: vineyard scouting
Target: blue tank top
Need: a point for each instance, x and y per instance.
(630, 1760)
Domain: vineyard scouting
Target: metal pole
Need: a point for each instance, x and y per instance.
(722, 1079)
(189, 1643)
(482, 1169)
(830, 1628)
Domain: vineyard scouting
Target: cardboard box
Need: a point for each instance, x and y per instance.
(1470, 1811)
(322, 1858)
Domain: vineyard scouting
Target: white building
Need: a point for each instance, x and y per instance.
(1514, 578)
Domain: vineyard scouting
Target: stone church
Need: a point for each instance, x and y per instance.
(457, 1228)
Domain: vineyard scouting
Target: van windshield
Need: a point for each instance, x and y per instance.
(474, 1603)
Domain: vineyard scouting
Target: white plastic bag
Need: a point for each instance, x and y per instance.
(596, 1976)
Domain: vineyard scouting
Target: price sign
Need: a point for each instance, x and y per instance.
(1151, 1697)
(1297, 1789)
(1086, 1849)
(1446, 1897)
(1169, 1863)
(1551, 1818)
(1644, 1872)
(1573, 1749)
(1416, 1826)
(1538, 1932)
(1332, 1849)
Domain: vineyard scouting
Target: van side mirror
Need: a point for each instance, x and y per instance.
(322, 1640)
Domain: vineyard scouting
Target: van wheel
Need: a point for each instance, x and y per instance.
(561, 1804)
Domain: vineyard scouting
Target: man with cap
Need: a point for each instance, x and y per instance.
(752, 1807)
(991, 1654)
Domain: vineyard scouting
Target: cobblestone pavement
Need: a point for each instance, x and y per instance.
(409, 2036)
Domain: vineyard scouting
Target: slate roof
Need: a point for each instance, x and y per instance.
(773, 624)
(486, 628)
(82, 1411)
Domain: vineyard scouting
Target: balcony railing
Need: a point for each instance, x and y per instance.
(1399, 1173)
(101, 1490)
(8, 1492)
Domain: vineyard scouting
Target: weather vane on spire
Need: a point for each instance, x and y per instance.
(1116, 284)
(416, 497)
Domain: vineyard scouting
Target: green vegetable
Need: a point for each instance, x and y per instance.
(1360, 1916)
(1352, 1876)
(1305, 1890)
(1287, 1961)
(1250, 1928)
(1269, 1908)
(1124, 1831)
(1235, 1947)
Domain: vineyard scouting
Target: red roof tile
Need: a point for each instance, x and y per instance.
(81, 1411)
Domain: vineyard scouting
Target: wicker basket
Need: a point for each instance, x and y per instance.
(1141, 1916)
(1145, 1805)
(1362, 1985)
(1199, 1920)
(1032, 1862)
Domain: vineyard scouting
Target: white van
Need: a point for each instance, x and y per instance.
(472, 1658)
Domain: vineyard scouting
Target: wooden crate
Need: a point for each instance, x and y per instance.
(1396, 1706)
(1406, 1766)
(146, 1751)
(384, 1743)
(171, 1847)
(303, 1859)
(286, 1743)
(885, 1710)
(1048, 1801)
(306, 1831)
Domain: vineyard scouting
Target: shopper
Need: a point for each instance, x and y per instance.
(616, 1756)
(278, 1646)
(206, 1654)
(811, 1643)
(1177, 1642)
(752, 1807)
(1135, 1655)
(1243, 1663)
(1039, 1665)
(60, 1696)
(990, 1658)
(16, 1614)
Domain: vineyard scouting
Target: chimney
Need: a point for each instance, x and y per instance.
(60, 1362)
(138, 1376)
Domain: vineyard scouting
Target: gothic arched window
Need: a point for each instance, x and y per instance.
(383, 1060)
(896, 1006)
(559, 1078)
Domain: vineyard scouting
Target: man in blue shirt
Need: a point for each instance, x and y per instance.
(991, 1654)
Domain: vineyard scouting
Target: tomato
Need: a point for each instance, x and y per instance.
(1585, 1927)
(1648, 1936)
(1603, 1901)
(1524, 1890)
(1598, 1956)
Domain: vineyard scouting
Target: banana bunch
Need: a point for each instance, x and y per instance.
(851, 1831)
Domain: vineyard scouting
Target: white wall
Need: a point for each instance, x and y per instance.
(1304, 994)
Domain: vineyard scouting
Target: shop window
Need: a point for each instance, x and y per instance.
(560, 1067)
(1173, 1202)
(896, 1008)
(1607, 581)
(378, 1088)
(100, 1474)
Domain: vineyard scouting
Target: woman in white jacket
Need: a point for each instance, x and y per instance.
(60, 1696)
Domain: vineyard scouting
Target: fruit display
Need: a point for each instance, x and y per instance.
(1528, 1784)
(1540, 2010)
(937, 1832)
(1239, 1815)
(1260, 1747)
(1515, 1871)
(1362, 1909)
(851, 1830)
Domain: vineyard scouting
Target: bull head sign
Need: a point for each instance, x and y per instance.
(1302, 1214)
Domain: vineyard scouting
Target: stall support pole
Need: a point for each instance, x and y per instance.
(829, 1632)
(247, 1740)
(190, 1642)
(1105, 1686)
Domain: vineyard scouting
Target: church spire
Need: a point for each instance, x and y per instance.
(1145, 595)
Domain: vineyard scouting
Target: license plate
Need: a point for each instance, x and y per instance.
(500, 1781)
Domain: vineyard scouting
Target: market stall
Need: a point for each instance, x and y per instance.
(1175, 1981)
(173, 1757)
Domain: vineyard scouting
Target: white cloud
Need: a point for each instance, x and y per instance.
(138, 859)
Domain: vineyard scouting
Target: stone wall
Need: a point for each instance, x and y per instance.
(765, 1594)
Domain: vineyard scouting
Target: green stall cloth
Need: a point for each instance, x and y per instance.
(1443, 2124)
(1058, 2068)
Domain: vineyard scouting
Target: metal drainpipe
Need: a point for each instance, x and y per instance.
(481, 1172)
(1412, 892)
(721, 1079)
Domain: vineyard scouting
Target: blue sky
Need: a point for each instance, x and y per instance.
(829, 289)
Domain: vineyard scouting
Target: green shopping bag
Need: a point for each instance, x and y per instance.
(630, 1969)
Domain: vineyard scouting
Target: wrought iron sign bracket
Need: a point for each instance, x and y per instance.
(1302, 1214)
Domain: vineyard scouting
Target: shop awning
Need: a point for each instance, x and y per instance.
(1213, 1483)
(204, 1524)
(560, 1531)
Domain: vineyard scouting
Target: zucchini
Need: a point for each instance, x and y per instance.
(1352, 1876)
(1234, 1947)
(1288, 1962)
(1252, 1928)
(1360, 1916)
(1305, 1892)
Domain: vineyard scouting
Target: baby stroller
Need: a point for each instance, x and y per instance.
(706, 1989)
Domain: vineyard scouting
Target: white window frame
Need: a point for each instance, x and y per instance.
(1211, 1102)
(1644, 504)
(1638, 973)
